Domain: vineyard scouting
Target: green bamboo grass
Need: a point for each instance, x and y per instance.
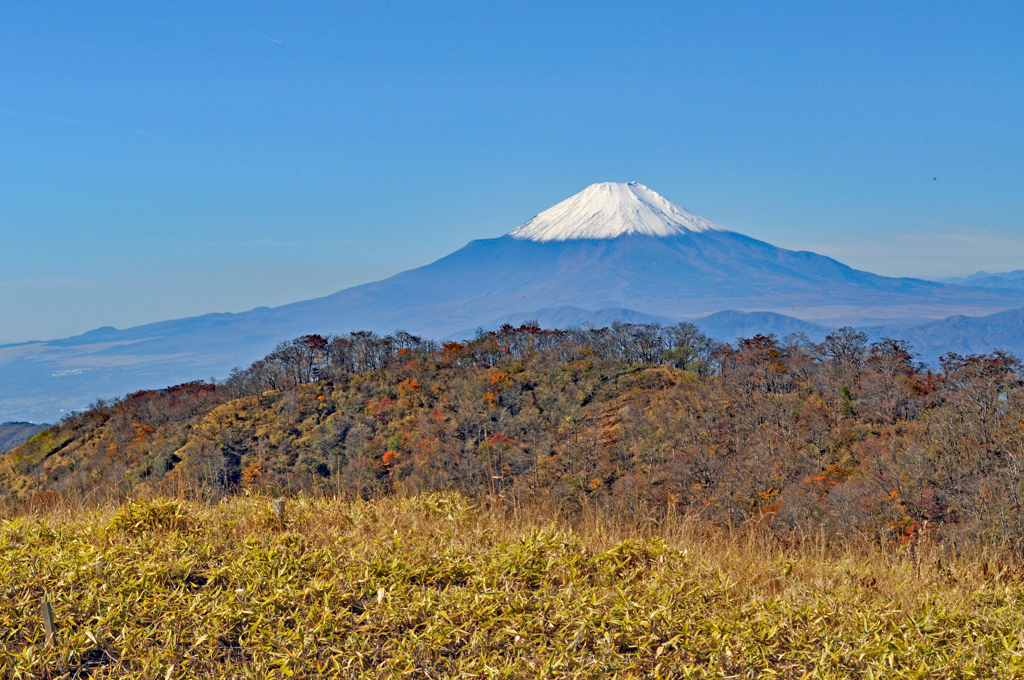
(433, 587)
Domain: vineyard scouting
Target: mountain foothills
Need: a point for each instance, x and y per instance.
(611, 251)
(1014, 279)
(13, 434)
(845, 435)
(963, 334)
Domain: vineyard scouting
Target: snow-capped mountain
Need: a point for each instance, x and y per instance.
(609, 247)
(609, 210)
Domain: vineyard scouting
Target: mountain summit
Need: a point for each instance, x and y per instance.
(609, 210)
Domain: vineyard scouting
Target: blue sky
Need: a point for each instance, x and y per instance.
(160, 160)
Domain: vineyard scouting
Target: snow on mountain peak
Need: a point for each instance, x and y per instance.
(609, 210)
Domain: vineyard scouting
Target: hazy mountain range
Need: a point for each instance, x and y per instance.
(13, 434)
(1014, 279)
(613, 251)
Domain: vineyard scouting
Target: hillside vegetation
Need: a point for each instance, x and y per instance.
(13, 434)
(842, 436)
(435, 587)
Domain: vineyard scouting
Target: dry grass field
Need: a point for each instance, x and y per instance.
(435, 587)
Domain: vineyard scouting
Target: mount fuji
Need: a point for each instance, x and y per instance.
(613, 249)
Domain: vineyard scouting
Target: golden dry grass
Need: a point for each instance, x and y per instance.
(434, 587)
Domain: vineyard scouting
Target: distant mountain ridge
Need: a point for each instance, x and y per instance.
(610, 247)
(961, 334)
(14, 434)
(1014, 279)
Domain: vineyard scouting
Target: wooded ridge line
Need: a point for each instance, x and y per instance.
(852, 436)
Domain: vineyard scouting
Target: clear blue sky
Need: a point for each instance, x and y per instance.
(160, 160)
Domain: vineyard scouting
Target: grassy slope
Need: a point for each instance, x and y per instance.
(432, 587)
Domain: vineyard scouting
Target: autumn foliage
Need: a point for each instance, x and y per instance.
(852, 437)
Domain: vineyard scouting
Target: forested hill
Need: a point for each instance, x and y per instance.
(845, 434)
